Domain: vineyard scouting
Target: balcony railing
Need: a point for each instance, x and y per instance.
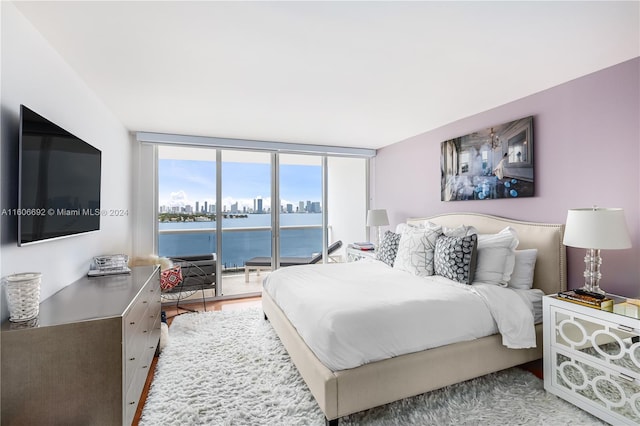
(240, 244)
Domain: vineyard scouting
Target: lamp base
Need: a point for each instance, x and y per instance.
(378, 236)
(595, 289)
(592, 274)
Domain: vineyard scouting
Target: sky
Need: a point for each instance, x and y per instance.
(183, 182)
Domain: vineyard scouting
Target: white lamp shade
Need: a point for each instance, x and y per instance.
(596, 228)
(377, 218)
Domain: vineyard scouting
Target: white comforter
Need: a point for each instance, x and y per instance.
(350, 314)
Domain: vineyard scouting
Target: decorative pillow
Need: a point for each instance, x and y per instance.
(388, 248)
(169, 278)
(422, 224)
(455, 258)
(522, 276)
(401, 227)
(496, 257)
(415, 250)
(460, 231)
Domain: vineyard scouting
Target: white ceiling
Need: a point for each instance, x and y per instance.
(360, 74)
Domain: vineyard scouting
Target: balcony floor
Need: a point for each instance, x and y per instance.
(233, 285)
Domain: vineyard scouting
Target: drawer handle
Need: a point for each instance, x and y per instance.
(145, 366)
(132, 323)
(625, 328)
(132, 359)
(144, 301)
(144, 331)
(627, 378)
(132, 403)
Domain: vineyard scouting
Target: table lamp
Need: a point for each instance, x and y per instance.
(596, 229)
(377, 218)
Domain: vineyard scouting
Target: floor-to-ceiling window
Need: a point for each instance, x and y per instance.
(186, 201)
(257, 201)
(300, 207)
(246, 216)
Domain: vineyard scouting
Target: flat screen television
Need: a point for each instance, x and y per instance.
(59, 182)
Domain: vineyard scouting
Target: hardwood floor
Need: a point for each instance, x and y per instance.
(221, 305)
(534, 367)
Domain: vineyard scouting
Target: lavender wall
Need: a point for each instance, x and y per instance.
(586, 152)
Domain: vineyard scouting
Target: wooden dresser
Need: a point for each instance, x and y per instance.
(86, 359)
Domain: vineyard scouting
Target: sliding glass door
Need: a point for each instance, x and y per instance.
(253, 209)
(245, 219)
(186, 201)
(300, 190)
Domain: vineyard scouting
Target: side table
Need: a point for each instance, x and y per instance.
(355, 254)
(592, 359)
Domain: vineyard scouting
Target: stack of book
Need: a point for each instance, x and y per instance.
(366, 246)
(587, 298)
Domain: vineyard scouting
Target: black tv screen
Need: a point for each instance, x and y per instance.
(59, 181)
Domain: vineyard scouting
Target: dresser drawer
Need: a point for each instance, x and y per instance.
(132, 396)
(148, 301)
(134, 354)
(140, 333)
(134, 321)
(154, 333)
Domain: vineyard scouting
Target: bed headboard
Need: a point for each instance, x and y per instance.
(550, 274)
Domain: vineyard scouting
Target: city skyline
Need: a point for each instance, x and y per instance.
(184, 182)
(307, 206)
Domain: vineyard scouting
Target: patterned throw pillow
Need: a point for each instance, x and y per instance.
(388, 248)
(455, 258)
(415, 250)
(169, 278)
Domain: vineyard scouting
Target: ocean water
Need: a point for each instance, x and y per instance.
(239, 246)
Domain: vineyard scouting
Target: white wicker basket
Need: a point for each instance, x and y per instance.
(23, 295)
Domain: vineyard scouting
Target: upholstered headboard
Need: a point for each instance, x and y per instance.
(550, 274)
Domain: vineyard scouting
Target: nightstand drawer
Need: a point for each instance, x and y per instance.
(601, 341)
(597, 386)
(592, 359)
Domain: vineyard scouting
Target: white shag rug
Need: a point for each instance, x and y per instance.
(229, 368)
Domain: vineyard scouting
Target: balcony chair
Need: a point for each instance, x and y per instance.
(196, 273)
(264, 263)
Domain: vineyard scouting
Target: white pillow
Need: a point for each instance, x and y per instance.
(401, 227)
(522, 276)
(460, 231)
(496, 257)
(422, 224)
(415, 250)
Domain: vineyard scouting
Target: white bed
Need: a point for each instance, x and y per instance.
(351, 370)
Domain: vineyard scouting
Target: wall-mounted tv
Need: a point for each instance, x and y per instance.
(59, 181)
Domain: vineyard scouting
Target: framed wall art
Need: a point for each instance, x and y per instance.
(494, 162)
